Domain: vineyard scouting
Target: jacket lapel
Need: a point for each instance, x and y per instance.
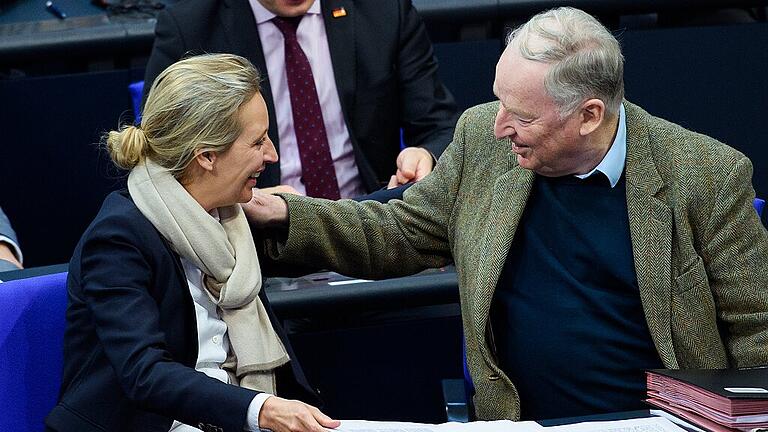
(650, 225)
(510, 194)
(239, 25)
(341, 43)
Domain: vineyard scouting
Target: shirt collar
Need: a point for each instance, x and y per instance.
(613, 163)
(263, 15)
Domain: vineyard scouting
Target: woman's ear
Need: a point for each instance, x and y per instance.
(206, 160)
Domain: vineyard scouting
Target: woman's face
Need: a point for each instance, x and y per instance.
(237, 169)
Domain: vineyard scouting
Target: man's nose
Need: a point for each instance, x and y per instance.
(502, 127)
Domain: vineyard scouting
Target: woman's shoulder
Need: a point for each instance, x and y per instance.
(119, 219)
(120, 239)
(118, 211)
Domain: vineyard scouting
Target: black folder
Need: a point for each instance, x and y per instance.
(729, 383)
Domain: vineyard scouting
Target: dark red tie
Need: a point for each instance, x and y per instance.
(317, 170)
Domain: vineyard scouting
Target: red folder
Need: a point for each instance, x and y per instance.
(720, 400)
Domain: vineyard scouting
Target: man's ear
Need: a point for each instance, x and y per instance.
(206, 159)
(592, 115)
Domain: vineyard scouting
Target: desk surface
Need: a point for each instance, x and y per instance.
(596, 417)
(327, 292)
(28, 30)
(311, 294)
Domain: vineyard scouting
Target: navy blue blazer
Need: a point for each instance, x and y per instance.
(130, 345)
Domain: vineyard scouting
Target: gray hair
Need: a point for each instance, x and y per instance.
(192, 106)
(586, 58)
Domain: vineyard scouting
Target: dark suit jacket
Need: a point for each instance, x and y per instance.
(385, 70)
(130, 345)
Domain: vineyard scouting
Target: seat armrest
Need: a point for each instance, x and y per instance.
(455, 399)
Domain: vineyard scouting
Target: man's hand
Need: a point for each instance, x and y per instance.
(266, 210)
(413, 164)
(283, 415)
(280, 189)
(6, 253)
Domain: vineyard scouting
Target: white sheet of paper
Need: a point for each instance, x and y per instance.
(676, 420)
(478, 426)
(348, 282)
(648, 424)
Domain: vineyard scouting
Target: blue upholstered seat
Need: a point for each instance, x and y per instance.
(31, 335)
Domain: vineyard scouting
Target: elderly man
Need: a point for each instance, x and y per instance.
(591, 239)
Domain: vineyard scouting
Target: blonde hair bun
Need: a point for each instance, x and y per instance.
(127, 146)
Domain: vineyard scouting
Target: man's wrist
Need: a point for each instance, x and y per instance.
(279, 217)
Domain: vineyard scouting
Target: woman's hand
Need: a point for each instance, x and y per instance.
(283, 415)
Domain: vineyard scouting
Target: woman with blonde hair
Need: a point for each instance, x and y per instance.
(168, 328)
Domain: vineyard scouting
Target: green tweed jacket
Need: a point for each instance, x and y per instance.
(701, 253)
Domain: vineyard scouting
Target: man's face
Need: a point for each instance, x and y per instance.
(529, 118)
(287, 8)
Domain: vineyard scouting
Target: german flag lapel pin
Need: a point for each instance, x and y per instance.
(339, 12)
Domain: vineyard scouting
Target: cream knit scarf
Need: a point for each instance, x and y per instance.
(224, 251)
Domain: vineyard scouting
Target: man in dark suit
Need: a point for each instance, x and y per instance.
(373, 70)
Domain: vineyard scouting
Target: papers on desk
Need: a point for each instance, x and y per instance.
(478, 426)
(649, 424)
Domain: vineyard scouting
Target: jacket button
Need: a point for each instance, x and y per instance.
(493, 377)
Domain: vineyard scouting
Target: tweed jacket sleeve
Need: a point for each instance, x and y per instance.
(374, 240)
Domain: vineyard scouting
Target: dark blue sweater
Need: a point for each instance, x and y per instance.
(567, 318)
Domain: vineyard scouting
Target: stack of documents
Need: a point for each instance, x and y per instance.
(718, 400)
(648, 424)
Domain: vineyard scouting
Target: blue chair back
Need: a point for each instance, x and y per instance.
(469, 385)
(31, 337)
(136, 90)
(759, 205)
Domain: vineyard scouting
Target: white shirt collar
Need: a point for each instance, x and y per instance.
(263, 15)
(613, 162)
